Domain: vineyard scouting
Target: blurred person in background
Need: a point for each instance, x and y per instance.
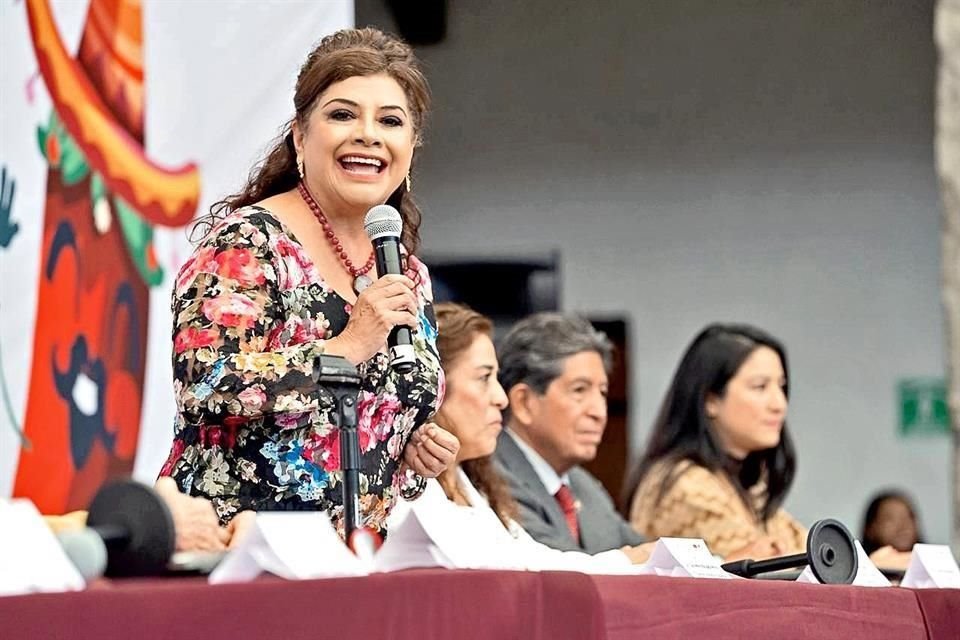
(890, 520)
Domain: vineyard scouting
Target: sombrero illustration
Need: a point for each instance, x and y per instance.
(103, 198)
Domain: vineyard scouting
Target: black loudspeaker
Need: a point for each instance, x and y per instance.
(505, 290)
(420, 21)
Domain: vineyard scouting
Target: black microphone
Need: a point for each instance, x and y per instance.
(129, 533)
(383, 225)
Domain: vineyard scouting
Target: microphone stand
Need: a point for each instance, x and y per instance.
(340, 377)
(831, 555)
(749, 568)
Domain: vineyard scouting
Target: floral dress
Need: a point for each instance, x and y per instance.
(253, 430)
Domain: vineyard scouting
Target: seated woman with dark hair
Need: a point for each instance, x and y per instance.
(720, 460)
(890, 520)
(472, 492)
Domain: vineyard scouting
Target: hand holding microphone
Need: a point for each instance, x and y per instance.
(387, 310)
(384, 306)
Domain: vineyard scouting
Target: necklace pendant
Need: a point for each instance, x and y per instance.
(361, 282)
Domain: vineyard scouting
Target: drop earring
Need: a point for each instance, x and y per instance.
(408, 183)
(300, 166)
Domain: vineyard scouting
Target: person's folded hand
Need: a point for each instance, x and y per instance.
(431, 450)
(640, 553)
(194, 519)
(239, 527)
(889, 558)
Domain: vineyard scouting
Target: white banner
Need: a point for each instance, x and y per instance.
(119, 122)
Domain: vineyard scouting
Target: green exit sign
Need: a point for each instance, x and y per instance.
(923, 406)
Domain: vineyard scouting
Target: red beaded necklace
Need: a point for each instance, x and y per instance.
(360, 278)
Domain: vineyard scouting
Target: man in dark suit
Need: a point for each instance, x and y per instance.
(554, 368)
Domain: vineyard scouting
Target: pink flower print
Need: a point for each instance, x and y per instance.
(395, 445)
(302, 331)
(417, 271)
(273, 337)
(324, 451)
(231, 310)
(252, 398)
(296, 268)
(198, 262)
(441, 387)
(376, 416)
(386, 415)
(192, 338)
(287, 420)
(366, 405)
(240, 265)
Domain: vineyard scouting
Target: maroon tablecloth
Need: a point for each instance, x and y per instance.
(421, 605)
(941, 612)
(718, 609)
(435, 604)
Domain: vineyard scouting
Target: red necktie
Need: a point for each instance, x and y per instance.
(568, 504)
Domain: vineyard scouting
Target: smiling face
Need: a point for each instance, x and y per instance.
(357, 143)
(895, 524)
(472, 407)
(750, 415)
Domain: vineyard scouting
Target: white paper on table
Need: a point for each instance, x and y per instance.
(684, 557)
(806, 576)
(432, 531)
(408, 546)
(292, 545)
(932, 566)
(867, 573)
(31, 559)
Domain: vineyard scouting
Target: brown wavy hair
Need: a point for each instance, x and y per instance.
(458, 325)
(342, 55)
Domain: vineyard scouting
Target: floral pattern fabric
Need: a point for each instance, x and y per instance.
(253, 430)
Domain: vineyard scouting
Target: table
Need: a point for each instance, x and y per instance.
(437, 604)
(642, 606)
(421, 605)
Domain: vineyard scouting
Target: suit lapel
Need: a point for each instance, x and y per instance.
(520, 468)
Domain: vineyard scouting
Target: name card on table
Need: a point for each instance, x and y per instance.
(932, 566)
(867, 573)
(31, 559)
(684, 558)
(292, 545)
(434, 532)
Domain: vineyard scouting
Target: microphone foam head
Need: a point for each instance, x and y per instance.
(383, 221)
(86, 550)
